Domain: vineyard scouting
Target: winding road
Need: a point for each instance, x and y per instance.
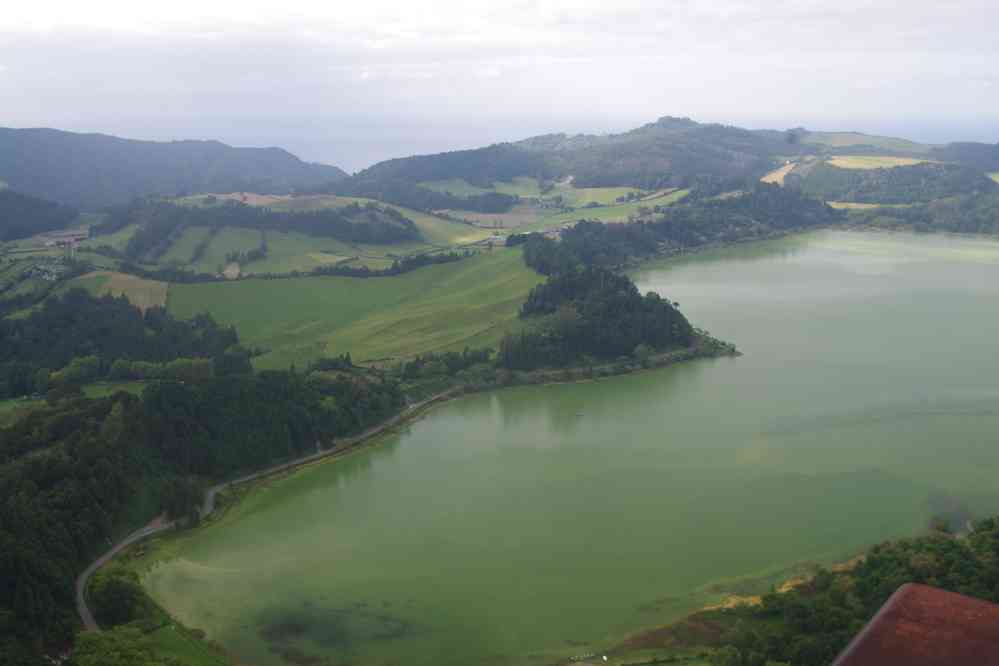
(159, 525)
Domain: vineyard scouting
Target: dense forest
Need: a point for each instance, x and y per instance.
(966, 214)
(22, 215)
(898, 185)
(701, 219)
(811, 624)
(981, 156)
(77, 338)
(161, 222)
(592, 312)
(92, 171)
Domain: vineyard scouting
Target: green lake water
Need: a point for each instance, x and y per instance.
(529, 524)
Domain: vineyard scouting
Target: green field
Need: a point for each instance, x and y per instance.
(118, 240)
(183, 248)
(616, 213)
(994, 176)
(521, 186)
(471, 302)
(14, 408)
(104, 389)
(455, 186)
(140, 292)
(844, 139)
(872, 161)
(526, 187)
(852, 205)
(230, 239)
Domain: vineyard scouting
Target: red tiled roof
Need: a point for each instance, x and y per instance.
(923, 626)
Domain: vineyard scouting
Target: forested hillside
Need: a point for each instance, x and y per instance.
(91, 171)
(810, 624)
(76, 472)
(982, 156)
(22, 215)
(966, 214)
(918, 183)
(672, 152)
(760, 212)
(77, 338)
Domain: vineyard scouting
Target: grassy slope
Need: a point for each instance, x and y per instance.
(118, 240)
(183, 248)
(844, 139)
(994, 176)
(230, 239)
(141, 292)
(777, 175)
(14, 408)
(872, 161)
(456, 186)
(472, 302)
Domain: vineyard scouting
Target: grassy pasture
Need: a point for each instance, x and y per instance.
(616, 213)
(844, 139)
(104, 389)
(287, 252)
(250, 198)
(140, 292)
(437, 231)
(456, 186)
(230, 239)
(118, 240)
(852, 205)
(777, 175)
(606, 196)
(872, 161)
(471, 302)
(183, 248)
(521, 186)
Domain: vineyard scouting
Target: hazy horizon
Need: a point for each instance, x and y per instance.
(351, 84)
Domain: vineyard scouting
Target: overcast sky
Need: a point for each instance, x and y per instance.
(351, 83)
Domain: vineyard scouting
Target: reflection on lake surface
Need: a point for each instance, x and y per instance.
(538, 522)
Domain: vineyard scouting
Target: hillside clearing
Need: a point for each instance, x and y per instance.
(472, 302)
(182, 250)
(142, 293)
(229, 239)
(777, 175)
(852, 205)
(873, 161)
(844, 139)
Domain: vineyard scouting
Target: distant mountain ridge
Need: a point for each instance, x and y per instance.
(91, 171)
(670, 152)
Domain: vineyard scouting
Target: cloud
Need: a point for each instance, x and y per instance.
(255, 70)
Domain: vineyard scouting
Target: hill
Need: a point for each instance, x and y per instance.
(22, 215)
(91, 171)
(671, 152)
(668, 153)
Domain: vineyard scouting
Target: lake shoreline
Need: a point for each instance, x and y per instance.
(706, 346)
